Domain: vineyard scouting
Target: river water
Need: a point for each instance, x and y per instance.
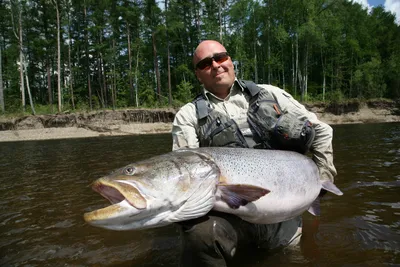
(45, 189)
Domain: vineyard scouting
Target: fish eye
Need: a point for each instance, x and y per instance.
(129, 170)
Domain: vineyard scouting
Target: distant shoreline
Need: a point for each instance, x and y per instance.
(112, 123)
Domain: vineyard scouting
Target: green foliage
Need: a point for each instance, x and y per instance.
(368, 79)
(183, 92)
(147, 97)
(116, 44)
(336, 96)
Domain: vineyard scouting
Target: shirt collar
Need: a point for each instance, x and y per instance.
(235, 86)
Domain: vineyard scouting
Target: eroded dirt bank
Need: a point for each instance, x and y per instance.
(144, 121)
(102, 121)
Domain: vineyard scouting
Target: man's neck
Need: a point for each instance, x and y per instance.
(221, 93)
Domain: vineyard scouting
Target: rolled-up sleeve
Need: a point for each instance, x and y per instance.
(184, 128)
(321, 147)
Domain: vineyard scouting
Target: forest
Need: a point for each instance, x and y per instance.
(65, 55)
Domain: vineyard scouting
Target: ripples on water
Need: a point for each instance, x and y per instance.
(45, 189)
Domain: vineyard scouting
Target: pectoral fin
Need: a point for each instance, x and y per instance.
(236, 195)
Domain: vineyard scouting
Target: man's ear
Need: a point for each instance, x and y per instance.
(198, 78)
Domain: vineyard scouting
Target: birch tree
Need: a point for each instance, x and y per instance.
(2, 106)
(22, 60)
(59, 93)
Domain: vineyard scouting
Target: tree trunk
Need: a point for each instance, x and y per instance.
(105, 86)
(269, 44)
(131, 89)
(28, 88)
(114, 79)
(283, 72)
(102, 78)
(71, 73)
(168, 56)
(49, 88)
(306, 74)
(255, 62)
(136, 76)
(99, 79)
(293, 74)
(300, 78)
(255, 53)
(2, 106)
(351, 74)
(58, 58)
(156, 68)
(87, 59)
(323, 77)
(220, 20)
(21, 62)
(297, 64)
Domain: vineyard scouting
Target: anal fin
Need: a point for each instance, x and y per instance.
(315, 209)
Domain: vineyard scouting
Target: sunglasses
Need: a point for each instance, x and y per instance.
(207, 62)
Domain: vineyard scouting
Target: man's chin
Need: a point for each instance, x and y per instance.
(223, 80)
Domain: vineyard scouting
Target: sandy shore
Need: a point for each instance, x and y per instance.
(364, 115)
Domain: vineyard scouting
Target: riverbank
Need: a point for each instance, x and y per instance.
(151, 121)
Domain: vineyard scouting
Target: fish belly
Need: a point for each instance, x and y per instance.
(292, 179)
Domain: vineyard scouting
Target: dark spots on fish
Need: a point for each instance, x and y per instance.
(177, 164)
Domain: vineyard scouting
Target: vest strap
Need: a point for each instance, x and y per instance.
(251, 86)
(201, 107)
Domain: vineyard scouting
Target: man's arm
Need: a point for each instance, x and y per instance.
(184, 128)
(321, 147)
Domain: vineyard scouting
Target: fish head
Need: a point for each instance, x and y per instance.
(161, 190)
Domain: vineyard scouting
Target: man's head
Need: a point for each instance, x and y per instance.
(214, 67)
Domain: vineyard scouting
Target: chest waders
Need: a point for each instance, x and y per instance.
(271, 127)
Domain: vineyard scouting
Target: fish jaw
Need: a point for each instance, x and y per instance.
(126, 202)
(129, 208)
(128, 215)
(162, 191)
(116, 191)
(111, 217)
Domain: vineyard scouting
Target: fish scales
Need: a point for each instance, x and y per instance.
(260, 186)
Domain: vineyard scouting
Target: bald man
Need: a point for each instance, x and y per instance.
(236, 113)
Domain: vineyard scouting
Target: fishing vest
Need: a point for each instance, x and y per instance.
(270, 126)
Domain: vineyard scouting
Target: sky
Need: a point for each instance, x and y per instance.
(392, 6)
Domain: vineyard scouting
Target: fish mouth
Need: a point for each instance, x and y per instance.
(108, 192)
(122, 196)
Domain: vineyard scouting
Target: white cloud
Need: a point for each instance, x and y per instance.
(394, 7)
(363, 3)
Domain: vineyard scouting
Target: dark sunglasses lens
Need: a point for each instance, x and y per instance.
(219, 58)
(207, 62)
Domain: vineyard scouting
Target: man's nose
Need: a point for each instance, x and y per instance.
(215, 64)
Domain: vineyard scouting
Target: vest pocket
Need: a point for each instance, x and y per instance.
(291, 133)
(262, 118)
(273, 129)
(223, 132)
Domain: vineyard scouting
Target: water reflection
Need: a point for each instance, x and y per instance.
(45, 189)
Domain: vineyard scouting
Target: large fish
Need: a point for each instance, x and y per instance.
(260, 186)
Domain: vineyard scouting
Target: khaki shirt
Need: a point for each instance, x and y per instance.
(235, 105)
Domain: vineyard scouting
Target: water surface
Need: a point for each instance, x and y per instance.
(45, 189)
